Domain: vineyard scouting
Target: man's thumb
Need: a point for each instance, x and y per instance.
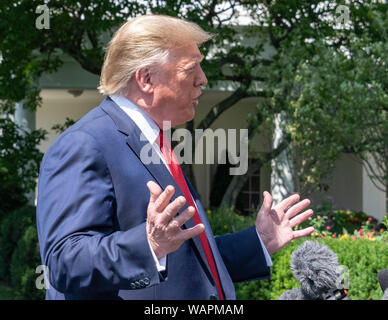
(267, 203)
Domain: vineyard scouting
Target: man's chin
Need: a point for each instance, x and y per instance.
(191, 117)
(185, 120)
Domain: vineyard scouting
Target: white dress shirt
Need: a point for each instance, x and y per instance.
(151, 131)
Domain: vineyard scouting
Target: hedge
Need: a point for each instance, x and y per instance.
(25, 259)
(363, 258)
(19, 254)
(12, 228)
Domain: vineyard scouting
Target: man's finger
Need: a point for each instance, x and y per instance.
(292, 211)
(303, 232)
(154, 189)
(288, 202)
(185, 216)
(300, 218)
(164, 198)
(172, 209)
(192, 232)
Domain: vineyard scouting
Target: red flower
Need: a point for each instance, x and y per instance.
(360, 232)
(369, 219)
(328, 228)
(334, 235)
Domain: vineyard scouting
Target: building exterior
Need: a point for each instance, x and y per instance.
(71, 93)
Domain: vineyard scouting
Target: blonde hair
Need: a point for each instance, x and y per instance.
(144, 41)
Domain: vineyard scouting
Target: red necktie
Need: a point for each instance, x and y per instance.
(177, 174)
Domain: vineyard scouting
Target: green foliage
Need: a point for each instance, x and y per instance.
(7, 293)
(19, 164)
(328, 222)
(25, 259)
(225, 220)
(342, 222)
(385, 222)
(329, 83)
(337, 105)
(59, 128)
(19, 253)
(75, 29)
(363, 258)
(12, 230)
(281, 278)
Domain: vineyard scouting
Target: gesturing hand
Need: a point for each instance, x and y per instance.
(275, 224)
(163, 228)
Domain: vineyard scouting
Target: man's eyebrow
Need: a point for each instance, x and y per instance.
(194, 60)
(198, 58)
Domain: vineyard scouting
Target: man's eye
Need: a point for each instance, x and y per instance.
(191, 68)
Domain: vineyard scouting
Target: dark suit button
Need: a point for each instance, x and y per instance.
(137, 284)
(213, 297)
(142, 284)
(146, 281)
(133, 286)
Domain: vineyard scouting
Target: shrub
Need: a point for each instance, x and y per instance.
(325, 218)
(349, 221)
(12, 229)
(20, 159)
(225, 220)
(363, 258)
(24, 261)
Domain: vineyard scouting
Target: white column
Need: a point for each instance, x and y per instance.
(282, 184)
(24, 118)
(27, 120)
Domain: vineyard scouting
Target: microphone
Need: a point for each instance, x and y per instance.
(316, 269)
(383, 280)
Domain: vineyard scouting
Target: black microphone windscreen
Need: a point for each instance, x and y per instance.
(383, 279)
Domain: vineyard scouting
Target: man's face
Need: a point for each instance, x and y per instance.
(177, 86)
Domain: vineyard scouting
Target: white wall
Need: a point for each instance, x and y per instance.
(373, 200)
(57, 104)
(350, 186)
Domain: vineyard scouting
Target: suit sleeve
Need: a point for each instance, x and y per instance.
(78, 233)
(243, 255)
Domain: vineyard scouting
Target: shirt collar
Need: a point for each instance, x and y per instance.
(147, 126)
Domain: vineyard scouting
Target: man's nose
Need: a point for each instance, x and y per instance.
(201, 79)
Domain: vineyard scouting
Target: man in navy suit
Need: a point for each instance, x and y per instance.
(111, 226)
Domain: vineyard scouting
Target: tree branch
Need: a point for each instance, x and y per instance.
(238, 181)
(221, 107)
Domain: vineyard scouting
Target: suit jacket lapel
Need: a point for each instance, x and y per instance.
(159, 171)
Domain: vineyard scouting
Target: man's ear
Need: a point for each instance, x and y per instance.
(144, 80)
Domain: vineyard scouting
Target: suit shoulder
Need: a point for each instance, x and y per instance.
(95, 123)
(83, 135)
